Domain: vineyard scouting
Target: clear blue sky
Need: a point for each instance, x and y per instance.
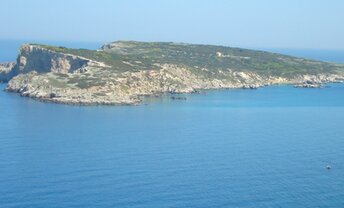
(245, 23)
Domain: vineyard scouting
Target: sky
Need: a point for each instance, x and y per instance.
(306, 24)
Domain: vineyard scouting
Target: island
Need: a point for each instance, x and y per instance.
(124, 72)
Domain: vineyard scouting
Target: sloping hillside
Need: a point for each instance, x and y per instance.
(122, 72)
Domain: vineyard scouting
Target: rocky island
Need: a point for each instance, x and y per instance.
(123, 72)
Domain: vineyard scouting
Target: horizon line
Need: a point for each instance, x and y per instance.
(29, 40)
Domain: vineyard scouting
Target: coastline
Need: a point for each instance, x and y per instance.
(143, 98)
(115, 75)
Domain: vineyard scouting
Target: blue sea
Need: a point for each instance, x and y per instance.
(225, 148)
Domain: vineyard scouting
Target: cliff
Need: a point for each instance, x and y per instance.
(42, 60)
(124, 72)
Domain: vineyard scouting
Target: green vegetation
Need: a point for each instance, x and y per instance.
(84, 82)
(56, 83)
(133, 56)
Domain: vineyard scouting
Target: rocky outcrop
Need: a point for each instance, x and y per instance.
(5, 69)
(131, 87)
(317, 81)
(35, 58)
(309, 84)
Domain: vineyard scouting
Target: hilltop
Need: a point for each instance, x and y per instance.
(122, 72)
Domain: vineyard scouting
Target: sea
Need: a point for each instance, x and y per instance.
(223, 148)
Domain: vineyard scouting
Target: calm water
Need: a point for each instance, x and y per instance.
(228, 148)
(234, 148)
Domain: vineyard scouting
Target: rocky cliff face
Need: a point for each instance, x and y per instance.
(41, 60)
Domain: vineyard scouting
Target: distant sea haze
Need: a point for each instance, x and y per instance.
(318, 54)
(9, 50)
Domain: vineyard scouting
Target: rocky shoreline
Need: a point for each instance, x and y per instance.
(32, 85)
(5, 70)
(59, 77)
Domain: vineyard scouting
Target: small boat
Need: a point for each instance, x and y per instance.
(328, 167)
